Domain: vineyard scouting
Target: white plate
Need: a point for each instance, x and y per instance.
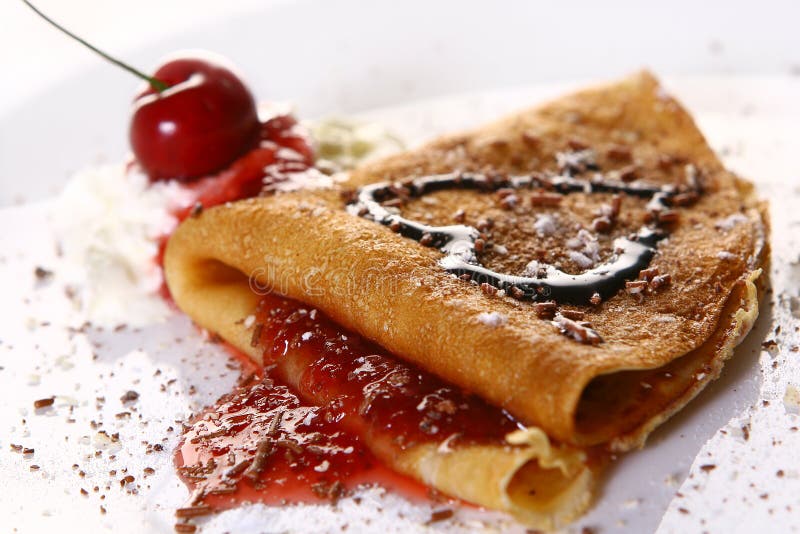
(751, 122)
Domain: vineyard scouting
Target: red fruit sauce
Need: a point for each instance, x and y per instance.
(299, 434)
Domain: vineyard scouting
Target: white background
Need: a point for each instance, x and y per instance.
(572, 40)
(347, 56)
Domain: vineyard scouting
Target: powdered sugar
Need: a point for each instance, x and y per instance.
(545, 225)
(584, 249)
(729, 222)
(108, 221)
(493, 319)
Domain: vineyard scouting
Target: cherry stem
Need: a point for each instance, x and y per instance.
(155, 83)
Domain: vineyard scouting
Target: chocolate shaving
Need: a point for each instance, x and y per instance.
(514, 292)
(488, 289)
(187, 528)
(575, 315)
(333, 491)
(660, 281)
(263, 451)
(348, 195)
(648, 274)
(545, 310)
(439, 515)
(601, 224)
(44, 403)
(635, 287)
(629, 173)
(684, 199)
(215, 434)
(667, 217)
(255, 338)
(545, 199)
(195, 472)
(616, 205)
(274, 425)
(238, 469)
(619, 153)
(580, 332)
(290, 445)
(129, 396)
(42, 274)
(222, 490)
(193, 511)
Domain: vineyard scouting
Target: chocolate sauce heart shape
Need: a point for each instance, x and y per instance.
(457, 242)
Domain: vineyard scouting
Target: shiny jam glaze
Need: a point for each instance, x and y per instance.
(284, 148)
(370, 392)
(261, 444)
(300, 432)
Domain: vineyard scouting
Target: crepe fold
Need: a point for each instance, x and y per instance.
(541, 483)
(658, 350)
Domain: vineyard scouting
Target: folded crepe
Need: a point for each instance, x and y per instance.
(587, 265)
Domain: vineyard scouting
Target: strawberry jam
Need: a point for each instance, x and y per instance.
(260, 443)
(393, 404)
(283, 149)
(331, 411)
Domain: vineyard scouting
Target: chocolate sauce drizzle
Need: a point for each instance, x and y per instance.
(457, 242)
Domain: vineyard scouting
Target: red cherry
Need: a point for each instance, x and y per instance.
(205, 120)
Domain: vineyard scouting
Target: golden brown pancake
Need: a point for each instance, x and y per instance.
(612, 190)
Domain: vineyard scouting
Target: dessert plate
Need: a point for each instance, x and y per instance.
(726, 461)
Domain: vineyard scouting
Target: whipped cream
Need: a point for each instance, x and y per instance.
(343, 143)
(108, 221)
